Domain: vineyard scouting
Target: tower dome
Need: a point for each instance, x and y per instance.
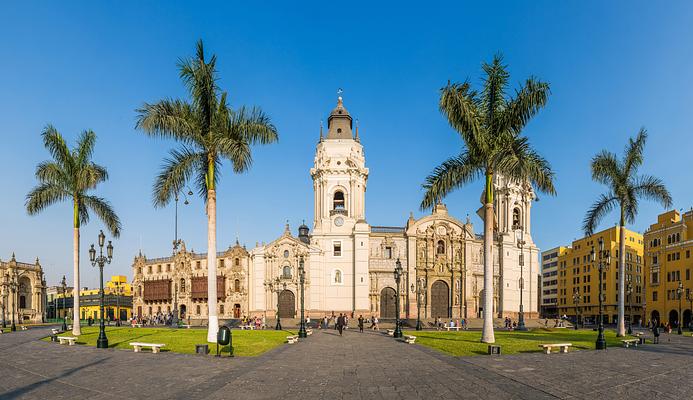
(303, 231)
(339, 123)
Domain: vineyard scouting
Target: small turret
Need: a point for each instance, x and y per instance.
(303, 232)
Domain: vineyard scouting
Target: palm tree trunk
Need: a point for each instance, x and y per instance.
(621, 326)
(487, 335)
(76, 330)
(213, 326)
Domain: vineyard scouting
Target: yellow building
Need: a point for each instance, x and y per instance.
(577, 273)
(668, 264)
(117, 300)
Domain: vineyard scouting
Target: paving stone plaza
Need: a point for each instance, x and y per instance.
(355, 366)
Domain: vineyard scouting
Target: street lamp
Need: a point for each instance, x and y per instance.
(604, 263)
(398, 277)
(576, 301)
(64, 286)
(302, 278)
(4, 301)
(176, 242)
(277, 286)
(102, 341)
(689, 297)
(679, 293)
(519, 235)
(418, 289)
(13, 283)
(629, 293)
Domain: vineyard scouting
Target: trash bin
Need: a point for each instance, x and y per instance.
(201, 349)
(493, 349)
(224, 339)
(54, 338)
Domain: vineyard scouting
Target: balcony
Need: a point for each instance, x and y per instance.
(339, 211)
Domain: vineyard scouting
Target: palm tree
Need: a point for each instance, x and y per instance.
(210, 132)
(71, 175)
(625, 190)
(490, 123)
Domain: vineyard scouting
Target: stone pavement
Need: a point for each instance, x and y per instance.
(356, 366)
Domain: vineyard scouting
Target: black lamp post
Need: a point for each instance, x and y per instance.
(176, 242)
(418, 289)
(4, 301)
(119, 291)
(679, 294)
(174, 316)
(629, 294)
(398, 277)
(102, 341)
(277, 286)
(604, 262)
(576, 301)
(519, 234)
(302, 278)
(64, 286)
(13, 283)
(689, 297)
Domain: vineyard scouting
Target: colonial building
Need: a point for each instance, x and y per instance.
(23, 291)
(549, 282)
(668, 265)
(349, 263)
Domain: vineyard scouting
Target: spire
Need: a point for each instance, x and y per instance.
(321, 137)
(356, 135)
(13, 259)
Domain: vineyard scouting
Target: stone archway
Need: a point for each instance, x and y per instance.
(287, 304)
(686, 318)
(387, 303)
(673, 318)
(440, 300)
(654, 316)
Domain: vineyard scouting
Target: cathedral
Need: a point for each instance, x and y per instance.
(349, 264)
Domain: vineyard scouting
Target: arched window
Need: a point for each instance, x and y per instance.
(286, 272)
(236, 285)
(237, 261)
(517, 224)
(440, 247)
(139, 270)
(139, 289)
(338, 276)
(182, 285)
(22, 301)
(338, 200)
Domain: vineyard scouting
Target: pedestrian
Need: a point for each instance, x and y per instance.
(360, 323)
(655, 332)
(340, 323)
(375, 324)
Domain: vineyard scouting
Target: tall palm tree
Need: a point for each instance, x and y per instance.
(71, 175)
(490, 123)
(210, 132)
(625, 190)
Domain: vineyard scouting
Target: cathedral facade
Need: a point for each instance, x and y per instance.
(349, 263)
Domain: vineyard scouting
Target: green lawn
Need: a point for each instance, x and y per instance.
(467, 343)
(245, 343)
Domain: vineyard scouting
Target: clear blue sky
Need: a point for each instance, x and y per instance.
(613, 67)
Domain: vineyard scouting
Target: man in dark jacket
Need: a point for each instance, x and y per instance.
(340, 323)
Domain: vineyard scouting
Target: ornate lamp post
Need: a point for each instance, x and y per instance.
(102, 341)
(689, 297)
(4, 301)
(398, 277)
(604, 262)
(576, 301)
(174, 316)
(418, 289)
(679, 294)
(12, 281)
(277, 286)
(302, 278)
(629, 294)
(519, 234)
(64, 286)
(176, 242)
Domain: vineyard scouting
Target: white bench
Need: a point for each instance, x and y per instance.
(309, 332)
(139, 345)
(24, 327)
(391, 332)
(629, 342)
(67, 339)
(186, 326)
(563, 346)
(292, 339)
(247, 327)
(136, 325)
(457, 328)
(55, 331)
(409, 339)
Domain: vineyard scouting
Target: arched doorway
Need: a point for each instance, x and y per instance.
(687, 318)
(183, 309)
(440, 299)
(654, 316)
(236, 310)
(387, 303)
(287, 304)
(673, 318)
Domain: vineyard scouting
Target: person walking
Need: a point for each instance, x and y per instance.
(655, 332)
(340, 323)
(360, 323)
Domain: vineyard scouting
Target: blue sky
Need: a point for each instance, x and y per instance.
(613, 67)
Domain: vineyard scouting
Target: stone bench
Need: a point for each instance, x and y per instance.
(55, 331)
(409, 339)
(186, 326)
(629, 342)
(247, 327)
(292, 339)
(139, 345)
(24, 327)
(309, 332)
(136, 325)
(457, 328)
(70, 340)
(563, 347)
(390, 332)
